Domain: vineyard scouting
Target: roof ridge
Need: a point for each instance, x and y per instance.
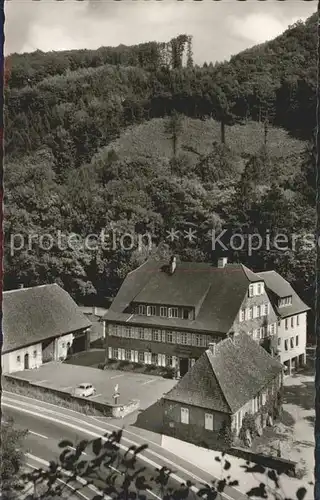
(31, 288)
(284, 279)
(141, 265)
(242, 269)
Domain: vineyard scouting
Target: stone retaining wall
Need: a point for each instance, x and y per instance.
(18, 385)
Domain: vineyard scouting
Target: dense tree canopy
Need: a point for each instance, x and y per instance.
(12, 459)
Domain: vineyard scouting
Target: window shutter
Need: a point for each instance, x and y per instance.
(184, 415)
(208, 421)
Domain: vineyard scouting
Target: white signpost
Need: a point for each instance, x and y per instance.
(116, 394)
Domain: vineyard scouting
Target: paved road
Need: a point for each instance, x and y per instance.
(49, 424)
(69, 490)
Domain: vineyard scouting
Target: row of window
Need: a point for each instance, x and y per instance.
(286, 321)
(145, 357)
(263, 331)
(254, 312)
(141, 357)
(256, 404)
(294, 342)
(158, 335)
(256, 289)
(285, 301)
(165, 312)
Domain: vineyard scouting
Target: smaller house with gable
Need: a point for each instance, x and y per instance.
(231, 379)
(40, 324)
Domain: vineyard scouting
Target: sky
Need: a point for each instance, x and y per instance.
(219, 29)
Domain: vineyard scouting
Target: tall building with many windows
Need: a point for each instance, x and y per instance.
(168, 313)
(292, 320)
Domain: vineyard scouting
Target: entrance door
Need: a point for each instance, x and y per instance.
(79, 344)
(26, 361)
(183, 366)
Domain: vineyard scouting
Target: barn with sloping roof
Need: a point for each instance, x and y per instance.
(41, 323)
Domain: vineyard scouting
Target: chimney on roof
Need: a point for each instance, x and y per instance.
(222, 262)
(212, 347)
(173, 264)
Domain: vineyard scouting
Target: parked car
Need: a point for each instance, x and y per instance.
(84, 390)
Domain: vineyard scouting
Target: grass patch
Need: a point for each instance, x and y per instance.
(151, 139)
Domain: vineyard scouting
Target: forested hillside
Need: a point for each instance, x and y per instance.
(140, 139)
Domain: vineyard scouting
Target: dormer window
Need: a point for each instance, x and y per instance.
(285, 301)
(173, 312)
(142, 309)
(163, 312)
(256, 289)
(185, 314)
(151, 310)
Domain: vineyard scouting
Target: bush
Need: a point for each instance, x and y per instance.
(169, 372)
(123, 363)
(249, 423)
(226, 436)
(150, 368)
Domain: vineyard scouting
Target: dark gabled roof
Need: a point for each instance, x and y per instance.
(159, 289)
(34, 314)
(282, 288)
(228, 379)
(218, 291)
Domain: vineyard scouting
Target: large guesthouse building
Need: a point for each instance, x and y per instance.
(167, 314)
